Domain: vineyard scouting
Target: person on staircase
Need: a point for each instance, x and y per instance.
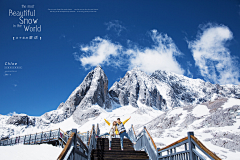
(122, 131)
(113, 130)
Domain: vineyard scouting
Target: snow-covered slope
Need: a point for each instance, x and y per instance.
(166, 90)
(215, 123)
(181, 91)
(30, 152)
(168, 104)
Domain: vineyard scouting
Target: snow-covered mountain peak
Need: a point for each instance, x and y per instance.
(136, 85)
(168, 104)
(93, 90)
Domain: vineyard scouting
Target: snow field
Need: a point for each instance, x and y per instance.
(30, 152)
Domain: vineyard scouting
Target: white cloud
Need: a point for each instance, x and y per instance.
(116, 26)
(161, 56)
(99, 51)
(212, 57)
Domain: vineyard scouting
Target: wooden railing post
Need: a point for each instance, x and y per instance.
(93, 134)
(41, 138)
(35, 138)
(191, 146)
(97, 130)
(24, 139)
(50, 135)
(87, 137)
(144, 139)
(29, 138)
(59, 137)
(133, 134)
(74, 143)
(59, 133)
(171, 156)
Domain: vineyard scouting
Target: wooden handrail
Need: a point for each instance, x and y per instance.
(151, 138)
(134, 131)
(67, 146)
(82, 132)
(213, 155)
(179, 141)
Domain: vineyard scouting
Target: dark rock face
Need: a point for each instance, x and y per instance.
(136, 86)
(93, 90)
(21, 120)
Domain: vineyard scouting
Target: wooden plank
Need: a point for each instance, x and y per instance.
(213, 155)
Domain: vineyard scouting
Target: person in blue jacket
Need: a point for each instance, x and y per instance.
(122, 131)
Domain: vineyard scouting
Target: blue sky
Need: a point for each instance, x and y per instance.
(198, 39)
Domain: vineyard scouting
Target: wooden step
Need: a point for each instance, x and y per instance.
(119, 155)
(102, 150)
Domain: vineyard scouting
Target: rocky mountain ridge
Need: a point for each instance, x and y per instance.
(161, 90)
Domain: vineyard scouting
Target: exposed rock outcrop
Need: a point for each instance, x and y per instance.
(137, 86)
(21, 119)
(93, 90)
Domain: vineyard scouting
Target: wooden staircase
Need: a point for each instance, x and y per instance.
(102, 150)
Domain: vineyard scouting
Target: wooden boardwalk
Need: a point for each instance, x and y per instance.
(89, 145)
(54, 137)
